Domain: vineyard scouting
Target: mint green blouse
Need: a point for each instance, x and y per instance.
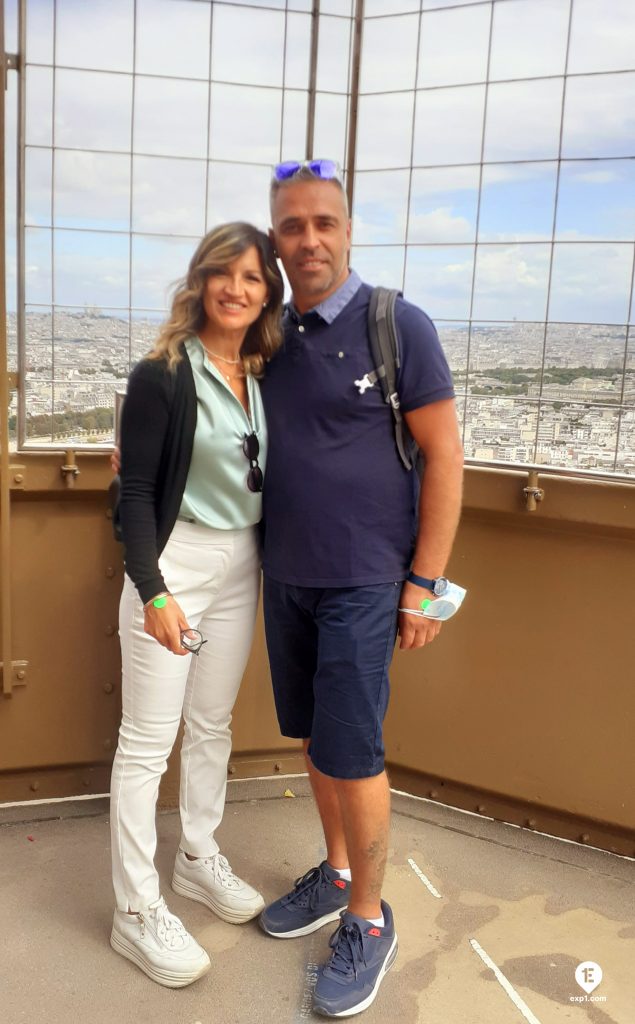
(216, 492)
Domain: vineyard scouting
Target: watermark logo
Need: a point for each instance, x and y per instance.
(588, 976)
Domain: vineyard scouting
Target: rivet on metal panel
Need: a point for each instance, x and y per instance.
(108, 688)
(480, 808)
(110, 572)
(34, 786)
(277, 767)
(17, 476)
(433, 794)
(532, 491)
(585, 838)
(15, 677)
(111, 630)
(231, 769)
(530, 822)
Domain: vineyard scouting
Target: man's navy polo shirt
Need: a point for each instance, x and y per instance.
(339, 508)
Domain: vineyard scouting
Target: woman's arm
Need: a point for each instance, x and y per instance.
(144, 425)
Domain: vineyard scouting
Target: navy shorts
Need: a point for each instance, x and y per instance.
(329, 652)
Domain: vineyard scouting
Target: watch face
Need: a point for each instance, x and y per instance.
(440, 586)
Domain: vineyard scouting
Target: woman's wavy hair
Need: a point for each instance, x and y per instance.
(216, 250)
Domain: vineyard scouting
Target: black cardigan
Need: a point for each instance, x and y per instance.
(158, 422)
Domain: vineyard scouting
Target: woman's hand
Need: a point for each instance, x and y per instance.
(165, 625)
(115, 460)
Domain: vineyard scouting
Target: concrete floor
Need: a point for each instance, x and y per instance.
(531, 906)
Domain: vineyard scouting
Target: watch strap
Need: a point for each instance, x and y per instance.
(421, 581)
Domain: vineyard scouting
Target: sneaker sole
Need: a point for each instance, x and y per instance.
(365, 1003)
(308, 928)
(170, 979)
(192, 891)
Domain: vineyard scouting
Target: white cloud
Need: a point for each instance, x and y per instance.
(511, 282)
(596, 177)
(440, 225)
(599, 118)
(384, 224)
(591, 283)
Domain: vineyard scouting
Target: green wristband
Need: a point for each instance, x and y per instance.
(160, 602)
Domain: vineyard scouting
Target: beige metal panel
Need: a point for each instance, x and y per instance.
(66, 576)
(592, 502)
(529, 691)
(527, 696)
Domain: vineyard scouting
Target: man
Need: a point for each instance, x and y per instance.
(341, 534)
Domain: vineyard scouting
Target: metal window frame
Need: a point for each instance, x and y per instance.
(476, 244)
(23, 443)
(357, 19)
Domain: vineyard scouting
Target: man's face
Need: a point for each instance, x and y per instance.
(312, 235)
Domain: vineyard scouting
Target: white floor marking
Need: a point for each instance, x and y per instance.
(56, 800)
(502, 980)
(426, 881)
(102, 796)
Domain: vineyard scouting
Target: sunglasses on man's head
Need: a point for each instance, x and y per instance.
(324, 169)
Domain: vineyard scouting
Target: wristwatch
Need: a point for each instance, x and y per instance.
(437, 586)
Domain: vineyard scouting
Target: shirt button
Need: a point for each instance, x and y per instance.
(340, 355)
(301, 329)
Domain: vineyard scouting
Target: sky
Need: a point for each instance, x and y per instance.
(202, 155)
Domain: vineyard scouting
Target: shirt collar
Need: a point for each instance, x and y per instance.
(333, 305)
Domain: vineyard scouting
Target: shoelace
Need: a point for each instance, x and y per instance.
(348, 950)
(222, 871)
(169, 928)
(306, 889)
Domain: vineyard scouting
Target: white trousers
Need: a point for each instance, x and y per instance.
(214, 575)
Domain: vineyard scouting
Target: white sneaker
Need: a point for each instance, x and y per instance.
(211, 881)
(156, 941)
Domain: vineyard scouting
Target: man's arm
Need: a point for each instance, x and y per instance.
(435, 429)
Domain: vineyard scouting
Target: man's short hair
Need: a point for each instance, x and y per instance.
(304, 174)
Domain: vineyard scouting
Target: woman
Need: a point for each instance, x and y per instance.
(193, 447)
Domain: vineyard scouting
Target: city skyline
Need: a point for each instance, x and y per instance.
(571, 423)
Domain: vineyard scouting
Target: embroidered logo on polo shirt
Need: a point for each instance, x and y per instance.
(364, 384)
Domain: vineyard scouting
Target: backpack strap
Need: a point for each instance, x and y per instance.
(384, 347)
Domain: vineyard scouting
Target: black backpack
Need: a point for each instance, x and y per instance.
(384, 347)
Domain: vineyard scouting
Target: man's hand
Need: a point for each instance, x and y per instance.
(414, 630)
(115, 460)
(165, 625)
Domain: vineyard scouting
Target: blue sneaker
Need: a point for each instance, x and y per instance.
(349, 981)
(317, 899)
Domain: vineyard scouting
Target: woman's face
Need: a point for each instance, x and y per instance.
(234, 295)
